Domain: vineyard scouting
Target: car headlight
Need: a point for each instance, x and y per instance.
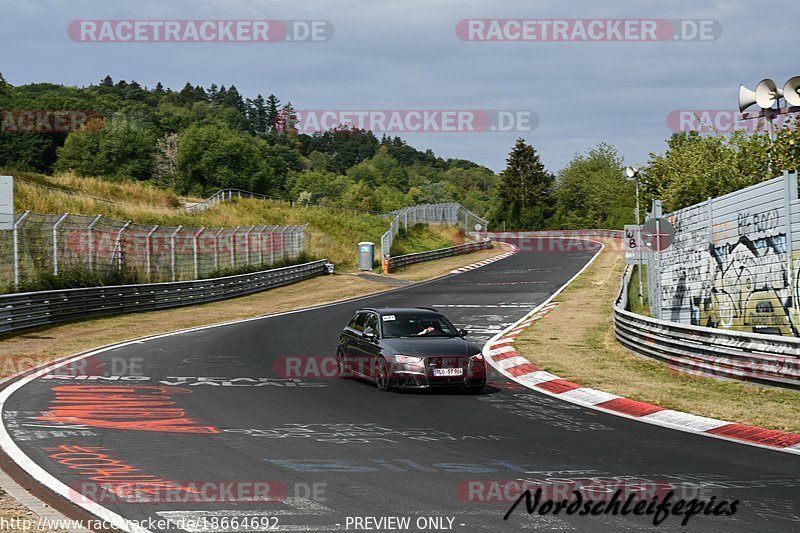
(408, 359)
(476, 358)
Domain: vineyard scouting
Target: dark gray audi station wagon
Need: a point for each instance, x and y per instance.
(415, 347)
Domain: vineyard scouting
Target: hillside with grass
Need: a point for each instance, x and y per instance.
(331, 233)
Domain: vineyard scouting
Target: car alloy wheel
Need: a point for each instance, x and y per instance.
(341, 365)
(382, 375)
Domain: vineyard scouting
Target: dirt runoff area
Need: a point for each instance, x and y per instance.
(576, 342)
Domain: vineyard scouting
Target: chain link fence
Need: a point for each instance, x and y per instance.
(453, 214)
(44, 244)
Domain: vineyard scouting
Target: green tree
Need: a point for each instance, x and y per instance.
(696, 167)
(4, 85)
(272, 111)
(524, 198)
(122, 148)
(210, 157)
(591, 191)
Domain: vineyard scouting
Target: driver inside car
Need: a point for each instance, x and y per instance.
(427, 327)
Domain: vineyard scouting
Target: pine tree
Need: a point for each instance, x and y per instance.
(221, 95)
(234, 99)
(187, 94)
(107, 82)
(159, 88)
(272, 112)
(289, 117)
(213, 93)
(525, 189)
(257, 113)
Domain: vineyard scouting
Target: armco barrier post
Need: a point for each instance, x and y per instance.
(56, 224)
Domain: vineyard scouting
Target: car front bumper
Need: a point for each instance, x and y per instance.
(415, 377)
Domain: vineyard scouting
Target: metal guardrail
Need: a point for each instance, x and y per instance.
(765, 359)
(31, 309)
(393, 263)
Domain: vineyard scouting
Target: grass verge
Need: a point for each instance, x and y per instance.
(576, 342)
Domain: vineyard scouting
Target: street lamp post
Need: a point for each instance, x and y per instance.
(633, 173)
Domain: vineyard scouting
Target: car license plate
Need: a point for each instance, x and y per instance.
(448, 371)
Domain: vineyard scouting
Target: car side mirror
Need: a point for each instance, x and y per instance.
(463, 332)
(369, 335)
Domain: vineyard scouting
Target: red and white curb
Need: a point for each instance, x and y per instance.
(500, 353)
(485, 262)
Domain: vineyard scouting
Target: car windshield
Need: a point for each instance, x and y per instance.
(417, 325)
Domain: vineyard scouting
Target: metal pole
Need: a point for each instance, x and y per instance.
(233, 244)
(147, 250)
(639, 247)
(91, 241)
(172, 250)
(272, 245)
(283, 243)
(194, 250)
(55, 242)
(216, 249)
(19, 221)
(261, 245)
(247, 245)
(118, 245)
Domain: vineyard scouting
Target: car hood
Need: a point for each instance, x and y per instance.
(433, 346)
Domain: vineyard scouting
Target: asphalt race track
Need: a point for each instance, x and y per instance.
(220, 405)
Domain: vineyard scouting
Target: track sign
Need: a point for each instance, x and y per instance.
(658, 234)
(6, 202)
(633, 245)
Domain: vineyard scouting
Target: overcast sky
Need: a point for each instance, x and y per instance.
(405, 54)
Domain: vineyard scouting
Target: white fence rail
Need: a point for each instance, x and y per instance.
(453, 214)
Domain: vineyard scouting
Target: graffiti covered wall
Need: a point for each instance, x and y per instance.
(729, 265)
